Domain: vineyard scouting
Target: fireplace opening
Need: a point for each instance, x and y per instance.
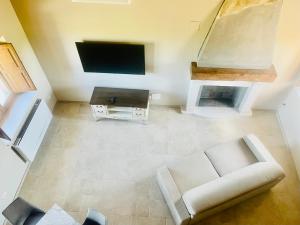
(221, 96)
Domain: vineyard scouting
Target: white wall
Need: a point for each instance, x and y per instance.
(12, 31)
(169, 28)
(166, 26)
(289, 117)
(286, 58)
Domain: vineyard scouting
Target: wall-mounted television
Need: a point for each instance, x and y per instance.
(110, 57)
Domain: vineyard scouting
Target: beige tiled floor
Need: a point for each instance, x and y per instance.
(110, 166)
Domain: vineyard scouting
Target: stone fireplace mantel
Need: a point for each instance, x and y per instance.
(218, 92)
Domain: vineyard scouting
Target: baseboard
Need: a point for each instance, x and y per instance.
(212, 113)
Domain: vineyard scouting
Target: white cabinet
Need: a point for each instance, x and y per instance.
(31, 136)
(25, 125)
(120, 104)
(120, 113)
(13, 120)
(12, 172)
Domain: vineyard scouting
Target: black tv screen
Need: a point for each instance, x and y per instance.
(104, 57)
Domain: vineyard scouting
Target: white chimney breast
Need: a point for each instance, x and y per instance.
(242, 36)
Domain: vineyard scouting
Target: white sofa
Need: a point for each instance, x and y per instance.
(208, 182)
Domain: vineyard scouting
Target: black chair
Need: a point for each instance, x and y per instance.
(20, 212)
(95, 218)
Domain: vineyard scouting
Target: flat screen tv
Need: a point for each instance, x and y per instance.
(107, 57)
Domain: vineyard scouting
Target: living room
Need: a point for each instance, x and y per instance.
(207, 90)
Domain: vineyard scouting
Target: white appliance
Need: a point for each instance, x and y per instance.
(33, 131)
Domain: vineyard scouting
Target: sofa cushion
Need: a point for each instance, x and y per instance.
(230, 157)
(192, 172)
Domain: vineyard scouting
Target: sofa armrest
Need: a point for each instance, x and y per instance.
(231, 186)
(173, 197)
(258, 149)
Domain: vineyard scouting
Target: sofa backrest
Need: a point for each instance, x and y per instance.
(231, 186)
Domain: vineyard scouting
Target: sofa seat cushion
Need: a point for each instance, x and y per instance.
(230, 156)
(192, 171)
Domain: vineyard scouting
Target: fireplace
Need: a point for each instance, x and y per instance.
(217, 92)
(221, 96)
